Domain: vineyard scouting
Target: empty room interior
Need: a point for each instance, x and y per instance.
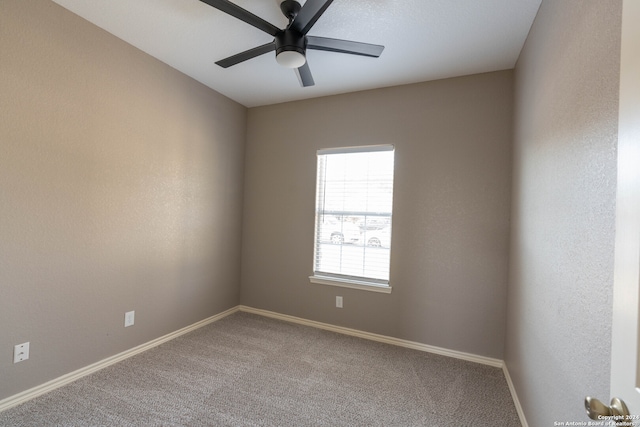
(129, 185)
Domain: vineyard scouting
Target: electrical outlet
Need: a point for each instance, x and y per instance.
(339, 302)
(20, 352)
(129, 318)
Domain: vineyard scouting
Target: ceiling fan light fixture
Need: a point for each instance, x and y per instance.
(291, 58)
(291, 48)
(291, 43)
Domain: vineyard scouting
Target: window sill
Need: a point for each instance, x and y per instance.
(352, 284)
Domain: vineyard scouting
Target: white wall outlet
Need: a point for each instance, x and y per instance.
(20, 352)
(339, 302)
(129, 318)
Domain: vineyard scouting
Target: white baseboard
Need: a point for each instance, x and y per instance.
(72, 376)
(379, 338)
(514, 396)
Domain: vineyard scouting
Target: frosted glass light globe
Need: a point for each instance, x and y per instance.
(291, 59)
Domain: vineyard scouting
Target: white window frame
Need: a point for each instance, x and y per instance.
(345, 281)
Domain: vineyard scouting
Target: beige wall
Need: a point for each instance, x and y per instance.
(451, 209)
(560, 290)
(120, 189)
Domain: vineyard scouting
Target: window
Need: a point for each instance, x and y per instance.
(354, 198)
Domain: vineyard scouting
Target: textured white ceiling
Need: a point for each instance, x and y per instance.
(423, 39)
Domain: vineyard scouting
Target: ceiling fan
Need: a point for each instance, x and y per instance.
(291, 43)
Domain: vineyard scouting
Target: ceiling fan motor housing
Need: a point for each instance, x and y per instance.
(290, 40)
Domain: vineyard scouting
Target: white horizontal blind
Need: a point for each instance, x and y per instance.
(353, 213)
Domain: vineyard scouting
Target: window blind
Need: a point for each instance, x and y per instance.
(354, 199)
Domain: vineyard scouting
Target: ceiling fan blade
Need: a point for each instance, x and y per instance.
(309, 14)
(304, 75)
(247, 54)
(244, 15)
(344, 46)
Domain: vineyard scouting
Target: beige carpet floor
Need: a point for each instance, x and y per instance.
(248, 370)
